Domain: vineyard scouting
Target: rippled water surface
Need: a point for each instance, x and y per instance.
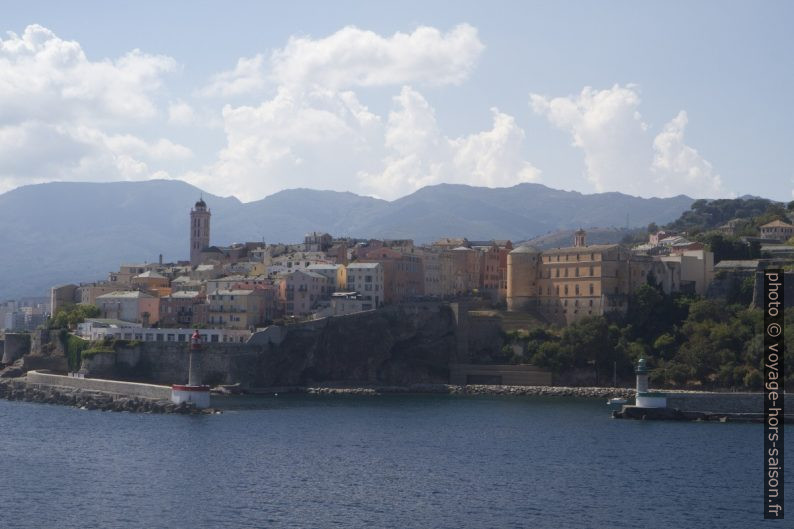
(388, 461)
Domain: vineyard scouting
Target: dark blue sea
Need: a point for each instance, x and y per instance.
(372, 462)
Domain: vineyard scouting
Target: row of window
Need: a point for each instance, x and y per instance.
(577, 257)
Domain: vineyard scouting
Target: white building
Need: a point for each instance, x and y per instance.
(335, 273)
(129, 305)
(367, 280)
(103, 328)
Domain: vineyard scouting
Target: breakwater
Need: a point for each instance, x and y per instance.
(453, 389)
(39, 389)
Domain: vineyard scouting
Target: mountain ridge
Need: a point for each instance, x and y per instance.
(79, 231)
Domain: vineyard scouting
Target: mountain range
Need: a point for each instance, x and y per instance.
(69, 232)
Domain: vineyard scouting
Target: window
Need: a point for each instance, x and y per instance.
(576, 289)
(566, 290)
(591, 270)
(566, 272)
(577, 271)
(557, 272)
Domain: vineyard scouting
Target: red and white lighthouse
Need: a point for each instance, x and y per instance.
(192, 392)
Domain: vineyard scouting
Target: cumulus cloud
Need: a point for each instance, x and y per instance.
(297, 139)
(248, 76)
(45, 77)
(354, 57)
(678, 166)
(620, 154)
(316, 132)
(61, 113)
(419, 154)
(180, 113)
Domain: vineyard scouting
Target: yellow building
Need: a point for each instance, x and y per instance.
(566, 284)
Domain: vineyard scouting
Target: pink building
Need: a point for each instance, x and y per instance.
(299, 292)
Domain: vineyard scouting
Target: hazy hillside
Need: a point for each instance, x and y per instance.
(63, 232)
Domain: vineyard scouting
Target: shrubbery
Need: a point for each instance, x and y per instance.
(687, 341)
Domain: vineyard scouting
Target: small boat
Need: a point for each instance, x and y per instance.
(617, 401)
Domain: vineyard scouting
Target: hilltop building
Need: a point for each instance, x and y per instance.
(567, 284)
(777, 230)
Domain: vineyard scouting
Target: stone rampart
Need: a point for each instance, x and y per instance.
(16, 346)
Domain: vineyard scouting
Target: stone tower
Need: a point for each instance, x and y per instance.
(199, 230)
(579, 238)
(522, 275)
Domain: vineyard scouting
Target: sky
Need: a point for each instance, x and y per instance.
(249, 98)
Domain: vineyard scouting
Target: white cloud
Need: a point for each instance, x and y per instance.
(45, 77)
(314, 139)
(352, 57)
(247, 77)
(678, 166)
(180, 113)
(618, 151)
(419, 154)
(315, 132)
(61, 113)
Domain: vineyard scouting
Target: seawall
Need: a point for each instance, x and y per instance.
(721, 402)
(92, 394)
(112, 387)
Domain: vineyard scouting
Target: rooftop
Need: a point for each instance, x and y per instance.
(185, 294)
(733, 264)
(581, 249)
(149, 274)
(126, 294)
(362, 265)
(110, 322)
(777, 224)
(526, 248)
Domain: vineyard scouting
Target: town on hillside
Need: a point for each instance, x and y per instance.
(234, 290)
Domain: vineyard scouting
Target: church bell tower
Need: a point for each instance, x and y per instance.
(199, 230)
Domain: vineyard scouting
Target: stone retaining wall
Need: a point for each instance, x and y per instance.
(720, 402)
(128, 389)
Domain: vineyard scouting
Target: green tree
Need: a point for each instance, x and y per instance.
(70, 316)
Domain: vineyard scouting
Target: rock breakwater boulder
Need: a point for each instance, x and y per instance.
(20, 389)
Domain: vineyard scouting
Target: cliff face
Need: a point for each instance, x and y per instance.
(403, 344)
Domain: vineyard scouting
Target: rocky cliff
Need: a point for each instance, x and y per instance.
(402, 344)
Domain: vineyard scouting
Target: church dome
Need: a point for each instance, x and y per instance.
(201, 203)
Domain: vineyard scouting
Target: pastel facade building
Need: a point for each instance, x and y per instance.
(335, 274)
(183, 309)
(777, 230)
(493, 267)
(301, 291)
(696, 267)
(132, 306)
(89, 292)
(317, 241)
(465, 269)
(63, 296)
(567, 284)
(240, 309)
(368, 280)
(152, 282)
